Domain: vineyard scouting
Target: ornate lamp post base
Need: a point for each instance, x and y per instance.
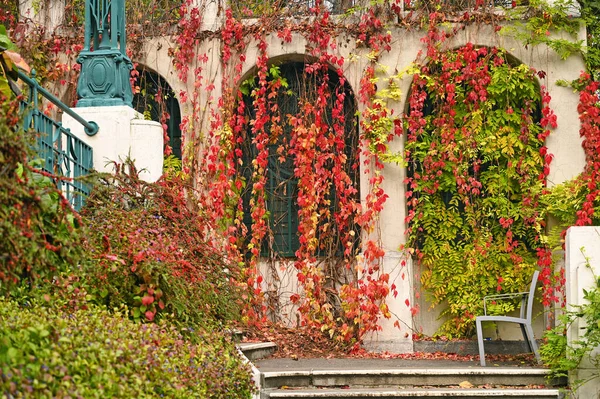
(104, 79)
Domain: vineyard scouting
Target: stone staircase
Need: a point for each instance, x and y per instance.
(502, 382)
(396, 378)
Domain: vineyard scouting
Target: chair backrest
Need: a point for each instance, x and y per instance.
(534, 280)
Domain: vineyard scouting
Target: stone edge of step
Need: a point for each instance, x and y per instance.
(248, 346)
(410, 372)
(413, 392)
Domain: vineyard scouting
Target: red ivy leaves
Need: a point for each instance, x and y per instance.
(189, 25)
(589, 116)
(451, 113)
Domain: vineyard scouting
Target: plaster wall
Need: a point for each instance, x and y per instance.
(48, 15)
(279, 284)
(206, 70)
(564, 141)
(122, 133)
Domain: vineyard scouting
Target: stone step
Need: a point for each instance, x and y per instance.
(469, 347)
(389, 393)
(412, 377)
(236, 335)
(257, 350)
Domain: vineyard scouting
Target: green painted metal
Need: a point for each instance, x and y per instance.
(105, 67)
(63, 154)
(90, 127)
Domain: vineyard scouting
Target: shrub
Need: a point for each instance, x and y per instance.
(563, 357)
(37, 225)
(48, 352)
(150, 252)
(75, 348)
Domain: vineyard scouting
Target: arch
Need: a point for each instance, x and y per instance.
(301, 58)
(511, 59)
(474, 164)
(158, 102)
(300, 88)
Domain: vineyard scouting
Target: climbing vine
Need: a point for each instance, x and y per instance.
(477, 166)
(474, 134)
(589, 116)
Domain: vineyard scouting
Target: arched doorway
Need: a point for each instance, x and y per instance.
(156, 100)
(475, 173)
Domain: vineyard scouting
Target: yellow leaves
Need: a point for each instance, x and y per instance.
(385, 311)
(392, 92)
(373, 55)
(8, 73)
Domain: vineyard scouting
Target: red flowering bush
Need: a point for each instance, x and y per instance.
(37, 225)
(149, 250)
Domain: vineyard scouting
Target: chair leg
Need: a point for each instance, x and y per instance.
(532, 343)
(480, 343)
(526, 338)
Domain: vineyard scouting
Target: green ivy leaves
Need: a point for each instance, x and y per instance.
(475, 175)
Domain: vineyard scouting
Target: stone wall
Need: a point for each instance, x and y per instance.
(564, 142)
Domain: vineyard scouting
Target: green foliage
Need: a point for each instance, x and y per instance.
(249, 85)
(379, 120)
(5, 41)
(590, 13)
(475, 165)
(561, 205)
(563, 357)
(37, 226)
(46, 351)
(173, 167)
(564, 200)
(150, 253)
(542, 20)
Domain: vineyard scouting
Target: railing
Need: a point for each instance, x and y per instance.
(63, 154)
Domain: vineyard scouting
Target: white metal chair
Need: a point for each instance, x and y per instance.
(524, 321)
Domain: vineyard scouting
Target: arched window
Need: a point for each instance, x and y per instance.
(281, 189)
(475, 172)
(155, 98)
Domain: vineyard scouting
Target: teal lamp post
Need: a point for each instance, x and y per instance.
(105, 67)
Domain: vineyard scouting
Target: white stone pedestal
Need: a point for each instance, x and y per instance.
(582, 243)
(123, 133)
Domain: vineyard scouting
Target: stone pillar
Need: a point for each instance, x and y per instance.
(123, 133)
(582, 249)
(396, 332)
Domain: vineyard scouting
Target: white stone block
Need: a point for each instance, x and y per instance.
(123, 133)
(582, 267)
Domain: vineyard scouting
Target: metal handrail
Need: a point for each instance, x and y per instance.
(62, 153)
(90, 127)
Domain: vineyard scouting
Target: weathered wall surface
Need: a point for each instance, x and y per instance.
(564, 142)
